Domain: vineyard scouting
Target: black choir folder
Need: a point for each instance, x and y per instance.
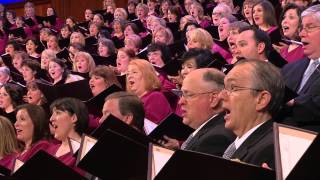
(114, 156)
(4, 171)
(297, 153)
(44, 166)
(173, 127)
(164, 164)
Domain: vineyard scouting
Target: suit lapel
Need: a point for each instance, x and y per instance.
(212, 122)
(314, 76)
(254, 138)
(299, 71)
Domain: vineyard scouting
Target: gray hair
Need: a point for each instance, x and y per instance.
(214, 77)
(109, 44)
(314, 11)
(267, 77)
(5, 70)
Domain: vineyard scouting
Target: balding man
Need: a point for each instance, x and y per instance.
(201, 109)
(252, 96)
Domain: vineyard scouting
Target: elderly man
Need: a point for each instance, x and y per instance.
(126, 107)
(303, 76)
(252, 96)
(202, 110)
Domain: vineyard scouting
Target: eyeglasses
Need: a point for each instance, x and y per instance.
(187, 96)
(309, 29)
(234, 88)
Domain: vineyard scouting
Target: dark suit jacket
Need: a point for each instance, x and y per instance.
(306, 111)
(213, 138)
(258, 148)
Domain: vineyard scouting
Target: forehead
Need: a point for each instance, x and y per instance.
(240, 73)
(245, 35)
(310, 20)
(111, 104)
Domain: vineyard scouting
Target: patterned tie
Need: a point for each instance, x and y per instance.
(308, 73)
(229, 151)
(186, 142)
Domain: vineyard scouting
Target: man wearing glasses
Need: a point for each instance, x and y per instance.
(303, 76)
(202, 110)
(251, 98)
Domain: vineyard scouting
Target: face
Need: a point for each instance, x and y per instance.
(223, 28)
(52, 44)
(110, 9)
(50, 12)
(311, 38)
(24, 126)
(44, 36)
(194, 11)
(172, 17)
(5, 99)
(65, 33)
(122, 62)
(118, 15)
(75, 38)
(131, 8)
(63, 123)
(247, 46)
(232, 40)
(3, 78)
(30, 47)
(196, 108)
(155, 58)
(44, 61)
(135, 80)
(97, 20)
(111, 106)
(29, 12)
(93, 29)
(17, 61)
(258, 15)
(216, 15)
(9, 16)
(247, 11)
(28, 74)
(117, 27)
(128, 31)
(151, 5)
(160, 37)
(55, 70)
(290, 23)
(97, 84)
(192, 43)
(240, 105)
(164, 7)
(19, 22)
(34, 96)
(187, 67)
(82, 64)
(300, 3)
(103, 50)
(140, 13)
(69, 22)
(187, 5)
(9, 49)
(88, 15)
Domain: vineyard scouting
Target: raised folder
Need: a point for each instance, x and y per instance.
(189, 165)
(44, 166)
(296, 152)
(115, 156)
(173, 127)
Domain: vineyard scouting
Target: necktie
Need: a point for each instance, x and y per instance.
(308, 73)
(186, 142)
(229, 151)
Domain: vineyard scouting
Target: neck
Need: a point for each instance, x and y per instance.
(264, 27)
(57, 80)
(260, 118)
(9, 109)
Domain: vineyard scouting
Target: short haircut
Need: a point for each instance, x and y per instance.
(39, 120)
(313, 11)
(167, 33)
(32, 64)
(106, 73)
(88, 57)
(215, 78)
(130, 104)
(266, 76)
(260, 37)
(74, 107)
(299, 11)
(202, 57)
(165, 52)
(109, 44)
(237, 25)
(201, 36)
(269, 15)
(15, 92)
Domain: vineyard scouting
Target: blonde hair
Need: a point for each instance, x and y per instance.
(8, 140)
(122, 11)
(200, 9)
(88, 57)
(82, 39)
(150, 78)
(201, 36)
(166, 31)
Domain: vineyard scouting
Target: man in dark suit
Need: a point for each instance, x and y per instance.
(201, 110)
(303, 76)
(252, 96)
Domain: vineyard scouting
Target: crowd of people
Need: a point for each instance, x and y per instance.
(227, 68)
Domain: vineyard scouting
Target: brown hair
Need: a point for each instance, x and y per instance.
(107, 74)
(8, 140)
